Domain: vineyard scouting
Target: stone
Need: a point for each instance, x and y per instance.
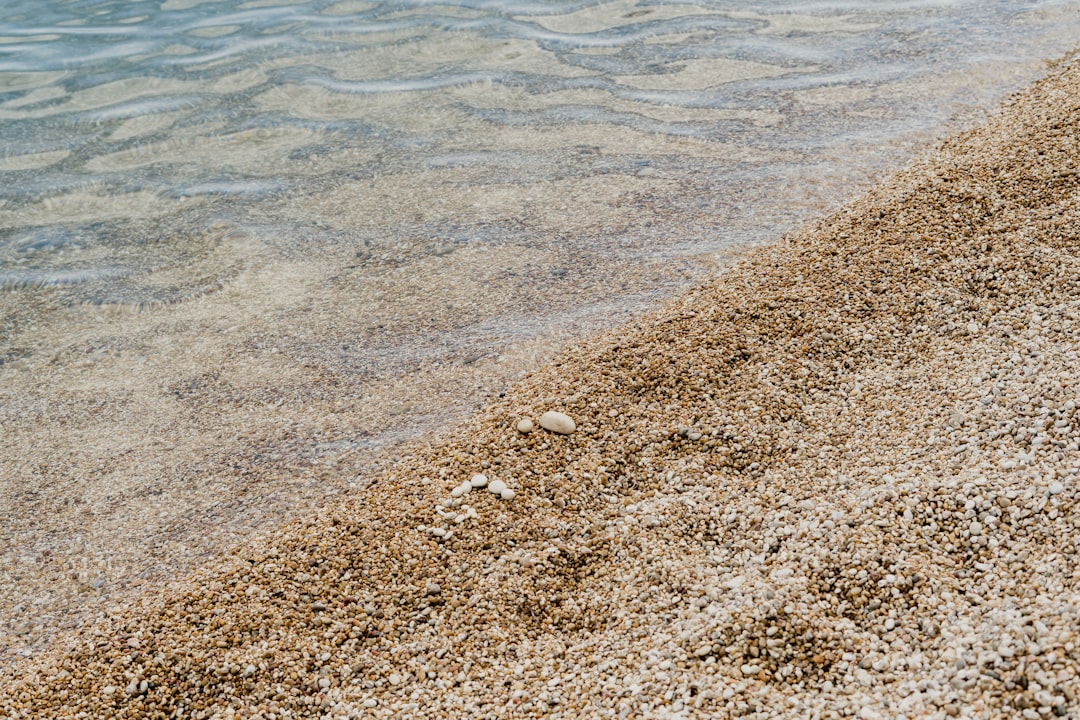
(525, 425)
(557, 422)
(432, 588)
(496, 487)
(478, 480)
(1056, 487)
(507, 494)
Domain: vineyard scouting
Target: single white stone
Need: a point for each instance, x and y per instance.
(972, 328)
(869, 713)
(437, 532)
(1056, 488)
(557, 422)
(496, 487)
(703, 650)
(507, 494)
(394, 679)
(525, 425)
(324, 683)
(479, 480)
(976, 528)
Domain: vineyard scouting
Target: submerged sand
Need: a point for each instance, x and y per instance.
(840, 479)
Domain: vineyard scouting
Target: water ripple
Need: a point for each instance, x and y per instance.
(171, 114)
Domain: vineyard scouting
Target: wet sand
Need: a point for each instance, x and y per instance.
(839, 479)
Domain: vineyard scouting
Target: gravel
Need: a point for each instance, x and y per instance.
(838, 480)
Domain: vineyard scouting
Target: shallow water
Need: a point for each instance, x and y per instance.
(132, 131)
(249, 248)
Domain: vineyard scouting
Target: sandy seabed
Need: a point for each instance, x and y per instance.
(840, 479)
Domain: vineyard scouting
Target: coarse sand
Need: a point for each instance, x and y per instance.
(839, 479)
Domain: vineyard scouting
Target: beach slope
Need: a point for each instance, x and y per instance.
(840, 479)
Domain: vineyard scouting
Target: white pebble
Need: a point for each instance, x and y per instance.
(1056, 488)
(557, 422)
(479, 480)
(496, 487)
(525, 425)
(750, 669)
(437, 532)
(976, 528)
(507, 494)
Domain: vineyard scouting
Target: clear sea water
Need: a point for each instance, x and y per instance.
(139, 136)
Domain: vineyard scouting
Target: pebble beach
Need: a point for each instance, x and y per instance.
(839, 479)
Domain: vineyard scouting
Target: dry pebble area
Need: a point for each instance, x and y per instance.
(838, 481)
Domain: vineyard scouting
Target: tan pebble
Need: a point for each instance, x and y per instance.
(557, 422)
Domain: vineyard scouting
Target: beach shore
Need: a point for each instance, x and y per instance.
(839, 479)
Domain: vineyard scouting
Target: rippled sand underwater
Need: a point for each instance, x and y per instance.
(249, 249)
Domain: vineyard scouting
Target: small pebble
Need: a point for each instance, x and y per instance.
(557, 422)
(507, 494)
(525, 425)
(1056, 488)
(496, 487)
(478, 480)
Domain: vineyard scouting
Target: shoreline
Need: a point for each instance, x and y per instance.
(840, 479)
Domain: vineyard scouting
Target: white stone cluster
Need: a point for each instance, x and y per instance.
(454, 510)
